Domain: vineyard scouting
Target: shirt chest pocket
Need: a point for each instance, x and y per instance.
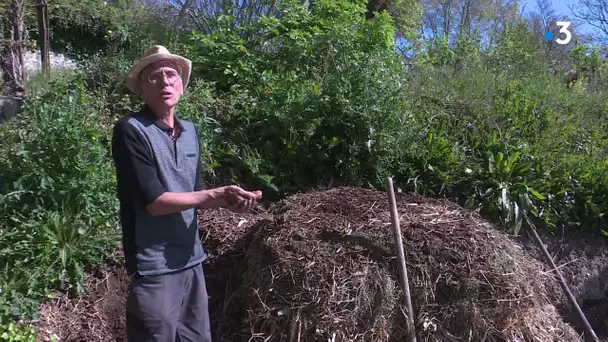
(188, 158)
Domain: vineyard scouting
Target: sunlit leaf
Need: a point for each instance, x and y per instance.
(63, 256)
(537, 195)
(518, 218)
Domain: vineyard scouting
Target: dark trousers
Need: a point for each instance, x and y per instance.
(169, 308)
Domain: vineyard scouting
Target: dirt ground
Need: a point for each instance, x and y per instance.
(330, 249)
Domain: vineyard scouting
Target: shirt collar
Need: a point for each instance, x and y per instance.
(147, 111)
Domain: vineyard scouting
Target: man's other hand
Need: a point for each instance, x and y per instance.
(239, 200)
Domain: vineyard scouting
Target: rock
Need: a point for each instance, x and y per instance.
(9, 107)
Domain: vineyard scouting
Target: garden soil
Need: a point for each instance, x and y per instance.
(321, 266)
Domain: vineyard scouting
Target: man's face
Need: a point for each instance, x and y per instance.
(161, 84)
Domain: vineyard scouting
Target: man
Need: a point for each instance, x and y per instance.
(160, 188)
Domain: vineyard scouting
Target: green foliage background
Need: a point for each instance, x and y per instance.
(314, 97)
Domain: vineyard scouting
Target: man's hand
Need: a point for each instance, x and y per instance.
(239, 200)
(230, 197)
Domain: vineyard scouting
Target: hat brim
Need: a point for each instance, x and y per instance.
(133, 75)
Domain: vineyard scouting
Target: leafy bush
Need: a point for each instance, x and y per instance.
(316, 99)
(524, 142)
(57, 196)
(86, 28)
(13, 332)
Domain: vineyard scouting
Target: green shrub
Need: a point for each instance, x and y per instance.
(315, 98)
(528, 142)
(105, 79)
(13, 332)
(87, 28)
(57, 196)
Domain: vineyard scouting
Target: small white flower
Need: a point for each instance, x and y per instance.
(468, 171)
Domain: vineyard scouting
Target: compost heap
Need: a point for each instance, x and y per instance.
(322, 266)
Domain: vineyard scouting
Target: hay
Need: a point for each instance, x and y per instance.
(324, 269)
(97, 316)
(321, 266)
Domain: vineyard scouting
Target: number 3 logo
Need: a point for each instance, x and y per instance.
(564, 29)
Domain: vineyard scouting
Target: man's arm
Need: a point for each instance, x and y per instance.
(134, 162)
(174, 202)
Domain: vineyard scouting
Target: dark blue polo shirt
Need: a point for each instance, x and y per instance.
(149, 162)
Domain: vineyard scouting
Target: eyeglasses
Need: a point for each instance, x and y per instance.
(157, 76)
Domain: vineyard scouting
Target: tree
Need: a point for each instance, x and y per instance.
(202, 15)
(407, 14)
(464, 19)
(595, 13)
(183, 13)
(11, 53)
(542, 21)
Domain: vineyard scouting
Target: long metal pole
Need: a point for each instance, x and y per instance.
(405, 285)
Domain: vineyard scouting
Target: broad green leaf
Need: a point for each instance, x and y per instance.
(491, 163)
(537, 195)
(525, 202)
(518, 218)
(500, 161)
(512, 160)
(522, 167)
(470, 203)
(63, 255)
(505, 201)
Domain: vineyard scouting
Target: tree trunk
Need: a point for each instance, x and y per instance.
(12, 54)
(183, 14)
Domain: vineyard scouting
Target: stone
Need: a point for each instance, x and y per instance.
(9, 107)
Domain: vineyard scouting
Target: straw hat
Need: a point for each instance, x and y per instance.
(155, 54)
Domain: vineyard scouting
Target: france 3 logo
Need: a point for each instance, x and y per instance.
(563, 30)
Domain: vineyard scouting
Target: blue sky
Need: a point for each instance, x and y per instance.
(562, 12)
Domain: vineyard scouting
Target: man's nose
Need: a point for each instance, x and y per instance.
(165, 79)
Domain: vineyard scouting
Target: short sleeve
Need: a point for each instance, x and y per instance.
(134, 162)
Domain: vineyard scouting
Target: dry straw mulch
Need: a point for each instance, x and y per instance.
(321, 266)
(97, 316)
(325, 269)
